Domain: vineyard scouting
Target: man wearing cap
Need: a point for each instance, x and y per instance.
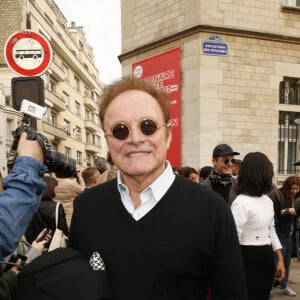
(221, 179)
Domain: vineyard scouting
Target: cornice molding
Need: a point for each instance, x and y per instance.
(214, 30)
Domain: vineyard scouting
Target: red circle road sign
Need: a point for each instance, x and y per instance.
(27, 53)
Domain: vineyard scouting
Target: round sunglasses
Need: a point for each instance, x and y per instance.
(148, 127)
(227, 160)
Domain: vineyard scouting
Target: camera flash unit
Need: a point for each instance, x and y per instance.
(32, 109)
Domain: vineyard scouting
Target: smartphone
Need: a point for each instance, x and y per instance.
(43, 237)
(13, 259)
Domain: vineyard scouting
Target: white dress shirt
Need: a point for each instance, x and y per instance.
(150, 196)
(254, 219)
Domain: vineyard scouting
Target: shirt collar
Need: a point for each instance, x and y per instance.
(158, 187)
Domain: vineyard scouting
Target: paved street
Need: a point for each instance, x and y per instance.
(294, 281)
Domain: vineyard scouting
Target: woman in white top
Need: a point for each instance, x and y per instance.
(254, 218)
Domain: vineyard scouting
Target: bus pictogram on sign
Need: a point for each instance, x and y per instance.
(34, 53)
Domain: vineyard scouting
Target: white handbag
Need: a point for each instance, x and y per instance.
(59, 240)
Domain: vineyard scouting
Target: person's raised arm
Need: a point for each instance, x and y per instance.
(23, 189)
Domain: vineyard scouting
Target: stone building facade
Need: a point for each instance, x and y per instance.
(71, 84)
(248, 98)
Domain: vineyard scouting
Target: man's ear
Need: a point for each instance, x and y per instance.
(214, 161)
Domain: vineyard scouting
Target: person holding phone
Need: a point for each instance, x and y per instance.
(23, 189)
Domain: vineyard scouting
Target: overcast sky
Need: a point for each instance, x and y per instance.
(101, 20)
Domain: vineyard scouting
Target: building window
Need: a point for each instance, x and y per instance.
(68, 151)
(66, 72)
(50, 116)
(95, 96)
(287, 142)
(96, 119)
(76, 84)
(10, 127)
(88, 138)
(291, 2)
(66, 99)
(289, 92)
(79, 157)
(77, 133)
(97, 140)
(53, 118)
(77, 108)
(87, 115)
(89, 160)
(67, 127)
(288, 129)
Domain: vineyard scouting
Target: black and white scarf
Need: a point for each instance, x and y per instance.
(222, 179)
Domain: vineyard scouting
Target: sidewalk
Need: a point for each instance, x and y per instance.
(294, 280)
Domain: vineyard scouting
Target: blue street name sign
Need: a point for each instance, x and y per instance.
(214, 46)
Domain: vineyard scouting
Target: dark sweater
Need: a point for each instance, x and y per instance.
(283, 223)
(8, 284)
(185, 244)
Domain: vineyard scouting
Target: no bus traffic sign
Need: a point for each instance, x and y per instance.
(27, 53)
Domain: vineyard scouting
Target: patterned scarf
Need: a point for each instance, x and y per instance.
(222, 179)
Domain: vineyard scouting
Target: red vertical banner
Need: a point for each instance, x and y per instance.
(163, 71)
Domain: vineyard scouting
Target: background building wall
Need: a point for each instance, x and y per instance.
(234, 98)
(71, 84)
(10, 21)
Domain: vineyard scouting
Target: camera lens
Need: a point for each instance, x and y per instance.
(61, 165)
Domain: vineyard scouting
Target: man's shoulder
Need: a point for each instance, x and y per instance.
(199, 197)
(194, 189)
(100, 192)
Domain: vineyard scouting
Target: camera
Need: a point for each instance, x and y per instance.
(58, 163)
(12, 262)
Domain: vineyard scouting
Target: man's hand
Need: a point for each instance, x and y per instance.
(30, 148)
(41, 240)
(15, 268)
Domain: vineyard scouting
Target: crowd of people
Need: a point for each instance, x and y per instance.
(154, 231)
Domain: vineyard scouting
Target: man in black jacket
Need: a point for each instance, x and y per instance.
(158, 236)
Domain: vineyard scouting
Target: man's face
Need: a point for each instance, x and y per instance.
(223, 164)
(137, 155)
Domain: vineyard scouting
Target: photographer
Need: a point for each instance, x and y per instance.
(23, 189)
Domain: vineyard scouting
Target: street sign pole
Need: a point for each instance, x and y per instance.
(29, 55)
